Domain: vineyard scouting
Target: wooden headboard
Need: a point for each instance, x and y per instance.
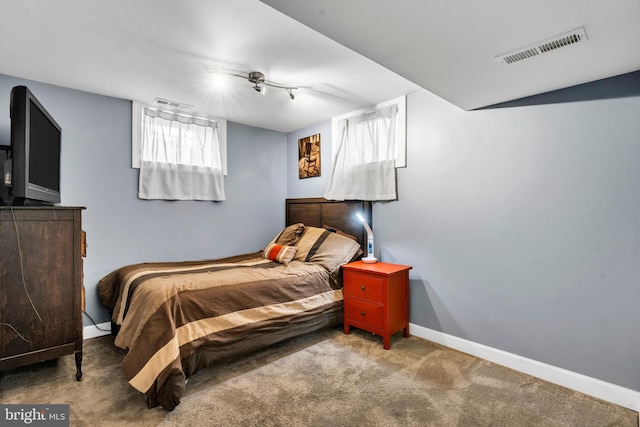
(317, 212)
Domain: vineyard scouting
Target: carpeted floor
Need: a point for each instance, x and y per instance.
(322, 379)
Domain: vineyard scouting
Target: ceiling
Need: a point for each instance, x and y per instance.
(341, 55)
(448, 47)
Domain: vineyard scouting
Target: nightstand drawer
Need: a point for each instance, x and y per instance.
(363, 286)
(365, 312)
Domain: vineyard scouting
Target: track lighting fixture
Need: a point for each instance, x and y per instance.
(260, 83)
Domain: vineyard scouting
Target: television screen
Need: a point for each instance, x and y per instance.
(44, 150)
(33, 169)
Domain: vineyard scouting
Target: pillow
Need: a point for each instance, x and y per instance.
(359, 252)
(280, 253)
(326, 248)
(290, 235)
(340, 232)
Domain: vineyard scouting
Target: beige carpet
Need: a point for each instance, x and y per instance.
(322, 379)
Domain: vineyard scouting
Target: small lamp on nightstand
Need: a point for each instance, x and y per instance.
(370, 259)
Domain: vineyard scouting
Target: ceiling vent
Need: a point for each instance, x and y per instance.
(171, 104)
(558, 42)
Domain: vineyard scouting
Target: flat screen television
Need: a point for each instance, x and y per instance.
(33, 169)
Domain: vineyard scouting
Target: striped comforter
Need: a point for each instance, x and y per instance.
(167, 311)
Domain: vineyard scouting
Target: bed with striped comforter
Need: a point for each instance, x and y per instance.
(176, 318)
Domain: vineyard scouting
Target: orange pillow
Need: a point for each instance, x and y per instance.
(280, 253)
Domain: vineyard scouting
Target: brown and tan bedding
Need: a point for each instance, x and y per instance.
(175, 318)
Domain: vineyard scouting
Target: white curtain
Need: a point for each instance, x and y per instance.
(364, 163)
(180, 158)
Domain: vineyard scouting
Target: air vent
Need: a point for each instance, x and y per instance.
(562, 41)
(171, 104)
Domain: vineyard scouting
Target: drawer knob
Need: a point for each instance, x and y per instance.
(362, 313)
(363, 287)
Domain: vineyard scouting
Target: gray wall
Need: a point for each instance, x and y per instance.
(121, 229)
(315, 186)
(522, 224)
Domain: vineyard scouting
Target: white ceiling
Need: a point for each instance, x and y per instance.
(145, 49)
(448, 47)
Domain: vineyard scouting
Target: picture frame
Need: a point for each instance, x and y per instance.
(309, 153)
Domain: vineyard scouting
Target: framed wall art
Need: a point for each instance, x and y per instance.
(309, 156)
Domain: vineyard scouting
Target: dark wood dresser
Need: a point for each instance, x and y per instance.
(41, 290)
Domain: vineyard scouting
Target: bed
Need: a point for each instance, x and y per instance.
(175, 318)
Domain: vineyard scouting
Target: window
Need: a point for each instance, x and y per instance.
(180, 157)
(368, 145)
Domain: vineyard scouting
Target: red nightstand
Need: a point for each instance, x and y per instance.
(376, 298)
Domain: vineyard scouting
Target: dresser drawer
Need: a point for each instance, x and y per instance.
(365, 312)
(364, 286)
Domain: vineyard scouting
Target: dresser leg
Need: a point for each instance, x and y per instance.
(79, 366)
(346, 329)
(405, 332)
(386, 342)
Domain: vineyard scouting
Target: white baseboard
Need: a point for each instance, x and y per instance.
(593, 387)
(94, 331)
